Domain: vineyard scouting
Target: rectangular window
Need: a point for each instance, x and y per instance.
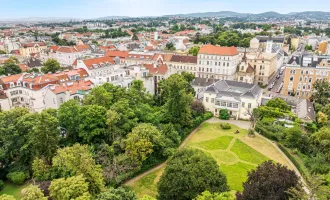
(243, 104)
(223, 103)
(212, 100)
(207, 99)
(249, 105)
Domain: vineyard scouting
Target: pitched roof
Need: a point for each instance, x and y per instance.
(12, 78)
(120, 54)
(156, 69)
(32, 44)
(72, 87)
(96, 62)
(24, 67)
(184, 59)
(217, 50)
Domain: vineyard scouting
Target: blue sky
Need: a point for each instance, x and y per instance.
(99, 8)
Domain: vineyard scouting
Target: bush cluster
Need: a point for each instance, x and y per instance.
(225, 126)
(18, 177)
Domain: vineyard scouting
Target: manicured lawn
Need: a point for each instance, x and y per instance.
(218, 143)
(236, 155)
(236, 174)
(246, 153)
(14, 190)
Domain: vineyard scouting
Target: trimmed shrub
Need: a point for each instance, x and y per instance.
(224, 114)
(1, 184)
(225, 126)
(18, 178)
(208, 115)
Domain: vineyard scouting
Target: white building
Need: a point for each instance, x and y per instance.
(217, 62)
(238, 98)
(67, 55)
(105, 70)
(56, 95)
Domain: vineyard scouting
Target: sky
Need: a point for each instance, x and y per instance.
(88, 9)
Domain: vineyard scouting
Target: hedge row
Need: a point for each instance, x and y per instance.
(299, 166)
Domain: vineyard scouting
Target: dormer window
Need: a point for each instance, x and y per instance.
(11, 85)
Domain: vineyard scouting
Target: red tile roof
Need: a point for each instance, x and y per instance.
(120, 54)
(217, 50)
(10, 79)
(32, 44)
(72, 87)
(24, 67)
(90, 62)
(159, 69)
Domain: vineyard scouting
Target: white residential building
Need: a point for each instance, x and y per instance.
(217, 62)
(238, 98)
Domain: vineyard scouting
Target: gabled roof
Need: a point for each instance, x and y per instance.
(184, 59)
(156, 69)
(120, 54)
(217, 50)
(94, 63)
(72, 87)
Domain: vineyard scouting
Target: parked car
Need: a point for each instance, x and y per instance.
(278, 76)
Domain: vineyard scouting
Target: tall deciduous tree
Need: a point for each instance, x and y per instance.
(51, 65)
(188, 173)
(269, 181)
(32, 193)
(177, 100)
(69, 119)
(77, 160)
(92, 122)
(321, 92)
(141, 142)
(322, 140)
(71, 188)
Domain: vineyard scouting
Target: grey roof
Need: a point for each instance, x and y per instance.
(34, 62)
(274, 39)
(234, 89)
(203, 82)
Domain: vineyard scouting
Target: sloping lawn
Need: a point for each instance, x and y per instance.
(236, 155)
(12, 189)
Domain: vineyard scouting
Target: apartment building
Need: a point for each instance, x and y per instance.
(217, 62)
(302, 72)
(264, 66)
(26, 49)
(66, 55)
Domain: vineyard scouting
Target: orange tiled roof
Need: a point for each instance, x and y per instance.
(90, 62)
(24, 67)
(73, 87)
(120, 54)
(217, 50)
(12, 78)
(159, 69)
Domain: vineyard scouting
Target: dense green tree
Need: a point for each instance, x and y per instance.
(74, 187)
(278, 103)
(178, 100)
(321, 92)
(68, 163)
(224, 114)
(69, 119)
(296, 139)
(10, 68)
(194, 50)
(269, 181)
(215, 196)
(322, 140)
(135, 37)
(197, 108)
(117, 194)
(188, 173)
(3, 52)
(99, 96)
(32, 193)
(142, 141)
(92, 123)
(51, 65)
(146, 197)
(170, 46)
(127, 119)
(44, 136)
